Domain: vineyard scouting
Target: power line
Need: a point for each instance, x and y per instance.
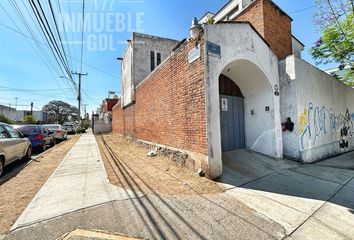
(47, 32)
(40, 50)
(82, 33)
(75, 59)
(302, 10)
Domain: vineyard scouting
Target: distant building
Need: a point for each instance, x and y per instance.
(142, 56)
(40, 116)
(8, 112)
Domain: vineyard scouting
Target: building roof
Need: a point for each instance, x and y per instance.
(298, 40)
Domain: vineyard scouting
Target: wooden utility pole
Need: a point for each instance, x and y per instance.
(79, 94)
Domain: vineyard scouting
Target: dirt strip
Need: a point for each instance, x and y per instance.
(17, 192)
(124, 160)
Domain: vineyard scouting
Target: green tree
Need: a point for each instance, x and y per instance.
(29, 119)
(5, 119)
(335, 19)
(61, 111)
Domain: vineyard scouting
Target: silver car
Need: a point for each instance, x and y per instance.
(13, 146)
(57, 130)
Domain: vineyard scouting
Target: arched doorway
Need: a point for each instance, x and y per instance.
(231, 115)
(247, 117)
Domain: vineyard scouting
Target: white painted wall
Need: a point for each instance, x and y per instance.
(127, 77)
(8, 112)
(240, 44)
(318, 107)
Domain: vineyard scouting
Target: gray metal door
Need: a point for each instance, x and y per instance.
(232, 123)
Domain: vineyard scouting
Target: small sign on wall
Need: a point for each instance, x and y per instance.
(194, 54)
(224, 105)
(213, 49)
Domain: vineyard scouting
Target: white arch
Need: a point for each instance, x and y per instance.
(238, 43)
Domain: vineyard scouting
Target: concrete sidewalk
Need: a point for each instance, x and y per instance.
(309, 201)
(79, 182)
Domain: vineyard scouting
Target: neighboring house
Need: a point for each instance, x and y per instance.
(237, 83)
(8, 112)
(40, 116)
(143, 55)
(102, 122)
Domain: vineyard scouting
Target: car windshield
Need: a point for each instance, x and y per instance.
(52, 127)
(27, 129)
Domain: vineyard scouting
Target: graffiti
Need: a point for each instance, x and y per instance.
(303, 120)
(317, 122)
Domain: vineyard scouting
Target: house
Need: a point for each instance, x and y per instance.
(237, 83)
(8, 112)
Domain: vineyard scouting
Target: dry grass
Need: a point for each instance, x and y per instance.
(128, 166)
(17, 193)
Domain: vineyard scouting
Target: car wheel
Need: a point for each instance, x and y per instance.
(44, 147)
(28, 155)
(2, 165)
(53, 143)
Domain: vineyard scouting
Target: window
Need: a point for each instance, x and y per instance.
(158, 60)
(232, 14)
(152, 61)
(3, 133)
(13, 132)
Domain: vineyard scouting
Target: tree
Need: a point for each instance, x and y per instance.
(29, 119)
(335, 19)
(61, 111)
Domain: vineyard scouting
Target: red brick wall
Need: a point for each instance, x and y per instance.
(170, 105)
(273, 24)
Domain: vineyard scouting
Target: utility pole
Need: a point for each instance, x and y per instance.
(16, 102)
(79, 94)
(85, 105)
(31, 108)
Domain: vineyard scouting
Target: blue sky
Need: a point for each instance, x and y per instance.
(22, 68)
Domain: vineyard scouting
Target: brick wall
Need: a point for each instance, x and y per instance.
(170, 105)
(272, 24)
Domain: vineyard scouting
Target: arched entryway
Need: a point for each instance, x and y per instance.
(246, 108)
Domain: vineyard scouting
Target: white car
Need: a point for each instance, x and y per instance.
(13, 146)
(58, 132)
(70, 127)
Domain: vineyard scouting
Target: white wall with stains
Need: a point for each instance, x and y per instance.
(321, 108)
(254, 68)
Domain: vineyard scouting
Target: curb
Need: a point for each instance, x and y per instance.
(22, 166)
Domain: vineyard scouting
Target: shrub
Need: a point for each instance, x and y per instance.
(80, 130)
(5, 119)
(29, 119)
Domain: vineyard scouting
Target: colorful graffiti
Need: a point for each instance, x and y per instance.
(318, 122)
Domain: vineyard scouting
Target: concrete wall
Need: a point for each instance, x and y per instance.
(241, 46)
(102, 128)
(39, 116)
(8, 112)
(136, 61)
(127, 77)
(321, 108)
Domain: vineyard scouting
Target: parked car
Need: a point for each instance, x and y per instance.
(38, 135)
(58, 132)
(13, 146)
(70, 127)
